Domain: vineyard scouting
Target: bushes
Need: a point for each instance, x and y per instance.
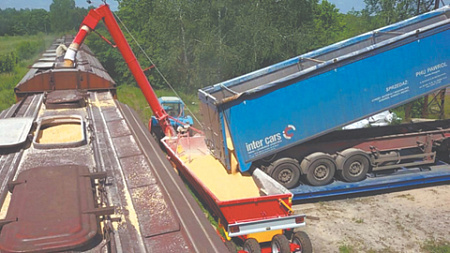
(17, 53)
(7, 83)
(8, 61)
(27, 49)
(23, 50)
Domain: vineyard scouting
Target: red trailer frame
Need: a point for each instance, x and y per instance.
(260, 217)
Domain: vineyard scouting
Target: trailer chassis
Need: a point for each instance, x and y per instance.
(352, 155)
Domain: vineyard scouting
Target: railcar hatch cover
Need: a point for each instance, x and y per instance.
(43, 65)
(14, 131)
(65, 99)
(50, 210)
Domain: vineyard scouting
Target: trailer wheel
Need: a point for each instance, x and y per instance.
(285, 171)
(251, 245)
(354, 166)
(280, 244)
(230, 246)
(319, 167)
(302, 239)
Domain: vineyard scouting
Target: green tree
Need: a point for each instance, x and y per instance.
(391, 11)
(328, 24)
(198, 43)
(202, 42)
(24, 21)
(39, 21)
(62, 15)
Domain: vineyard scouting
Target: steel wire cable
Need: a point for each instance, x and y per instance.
(157, 69)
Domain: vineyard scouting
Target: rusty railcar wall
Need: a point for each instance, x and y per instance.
(47, 75)
(132, 200)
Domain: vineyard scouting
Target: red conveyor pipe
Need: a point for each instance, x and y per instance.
(89, 23)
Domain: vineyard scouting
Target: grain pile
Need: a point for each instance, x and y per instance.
(61, 133)
(216, 178)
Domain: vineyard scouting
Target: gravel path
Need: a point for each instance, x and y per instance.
(392, 222)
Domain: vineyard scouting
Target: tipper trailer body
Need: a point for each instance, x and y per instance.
(253, 119)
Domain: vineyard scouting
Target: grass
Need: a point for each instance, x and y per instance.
(345, 248)
(9, 80)
(435, 246)
(8, 43)
(359, 220)
(7, 83)
(406, 196)
(385, 250)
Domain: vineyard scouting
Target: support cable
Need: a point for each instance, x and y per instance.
(157, 69)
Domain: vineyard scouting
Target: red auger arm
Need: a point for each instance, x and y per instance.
(89, 23)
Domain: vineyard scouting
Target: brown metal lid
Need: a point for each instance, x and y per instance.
(65, 99)
(50, 210)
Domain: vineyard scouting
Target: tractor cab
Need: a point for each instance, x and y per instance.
(174, 107)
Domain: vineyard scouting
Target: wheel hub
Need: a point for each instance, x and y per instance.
(296, 241)
(321, 171)
(285, 176)
(356, 168)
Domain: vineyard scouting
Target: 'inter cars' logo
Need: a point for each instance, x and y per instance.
(270, 142)
(288, 132)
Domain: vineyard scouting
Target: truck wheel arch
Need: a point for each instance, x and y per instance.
(319, 168)
(346, 155)
(285, 165)
(341, 156)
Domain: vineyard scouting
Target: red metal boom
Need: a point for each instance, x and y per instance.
(89, 23)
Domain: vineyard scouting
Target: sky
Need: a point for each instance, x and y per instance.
(45, 4)
(344, 6)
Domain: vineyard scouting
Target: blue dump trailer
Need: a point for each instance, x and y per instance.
(283, 118)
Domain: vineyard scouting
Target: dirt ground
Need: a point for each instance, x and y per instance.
(399, 221)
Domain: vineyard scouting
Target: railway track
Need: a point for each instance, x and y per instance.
(110, 189)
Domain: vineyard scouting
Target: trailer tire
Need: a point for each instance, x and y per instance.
(353, 165)
(302, 239)
(280, 244)
(230, 246)
(251, 245)
(319, 168)
(285, 171)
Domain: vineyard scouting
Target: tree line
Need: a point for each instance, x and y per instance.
(202, 42)
(62, 17)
